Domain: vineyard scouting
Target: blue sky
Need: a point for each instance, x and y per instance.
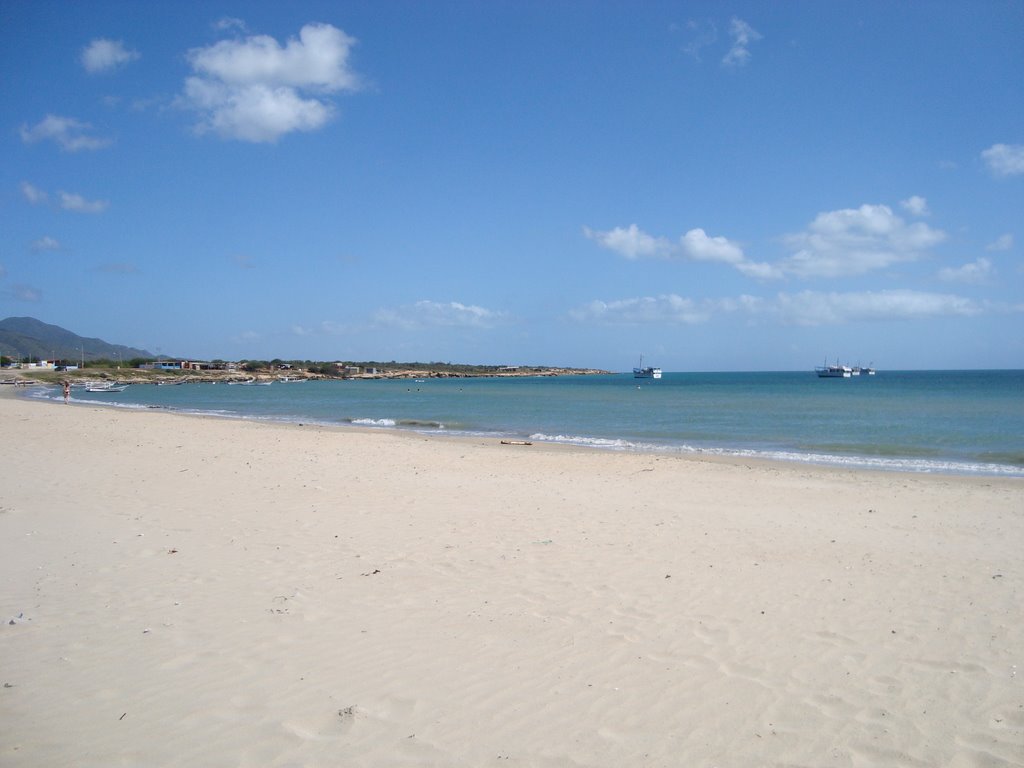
(716, 185)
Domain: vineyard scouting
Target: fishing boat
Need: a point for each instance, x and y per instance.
(836, 371)
(646, 373)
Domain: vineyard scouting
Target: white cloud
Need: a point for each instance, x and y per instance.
(702, 34)
(742, 35)
(256, 90)
(855, 241)
(807, 308)
(254, 113)
(699, 246)
(1001, 243)
(1005, 159)
(102, 55)
(916, 206)
(45, 243)
(68, 133)
(647, 310)
(975, 272)
(68, 200)
(695, 245)
(630, 242)
(432, 314)
(813, 308)
(77, 203)
(846, 242)
(317, 59)
(22, 292)
(332, 328)
(759, 270)
(228, 23)
(33, 194)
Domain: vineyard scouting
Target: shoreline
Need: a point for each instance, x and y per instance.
(49, 376)
(851, 462)
(308, 595)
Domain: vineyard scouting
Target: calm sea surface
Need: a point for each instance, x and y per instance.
(925, 421)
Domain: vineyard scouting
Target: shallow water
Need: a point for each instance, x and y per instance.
(927, 421)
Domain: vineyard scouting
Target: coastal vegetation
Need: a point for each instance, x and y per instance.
(130, 371)
(26, 342)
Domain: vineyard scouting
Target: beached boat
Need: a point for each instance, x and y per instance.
(105, 388)
(646, 373)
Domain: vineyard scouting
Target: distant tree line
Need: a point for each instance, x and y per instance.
(322, 368)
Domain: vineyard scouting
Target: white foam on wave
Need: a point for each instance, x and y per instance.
(595, 442)
(853, 462)
(374, 422)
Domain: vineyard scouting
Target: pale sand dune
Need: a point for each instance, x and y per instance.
(200, 592)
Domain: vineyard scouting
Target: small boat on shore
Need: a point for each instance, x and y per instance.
(106, 388)
(646, 373)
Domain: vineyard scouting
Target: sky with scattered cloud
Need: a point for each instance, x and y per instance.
(719, 186)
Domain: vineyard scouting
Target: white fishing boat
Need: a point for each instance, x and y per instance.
(836, 371)
(646, 373)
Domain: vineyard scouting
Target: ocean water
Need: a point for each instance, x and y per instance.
(922, 421)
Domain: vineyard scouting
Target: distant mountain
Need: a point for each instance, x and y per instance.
(22, 337)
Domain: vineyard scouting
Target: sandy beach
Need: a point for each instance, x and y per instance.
(185, 591)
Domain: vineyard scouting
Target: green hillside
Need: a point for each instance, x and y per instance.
(26, 337)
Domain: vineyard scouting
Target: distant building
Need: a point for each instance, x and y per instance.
(178, 365)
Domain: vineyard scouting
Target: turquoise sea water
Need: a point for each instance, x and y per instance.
(925, 421)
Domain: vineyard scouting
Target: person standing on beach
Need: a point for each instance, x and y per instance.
(67, 391)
